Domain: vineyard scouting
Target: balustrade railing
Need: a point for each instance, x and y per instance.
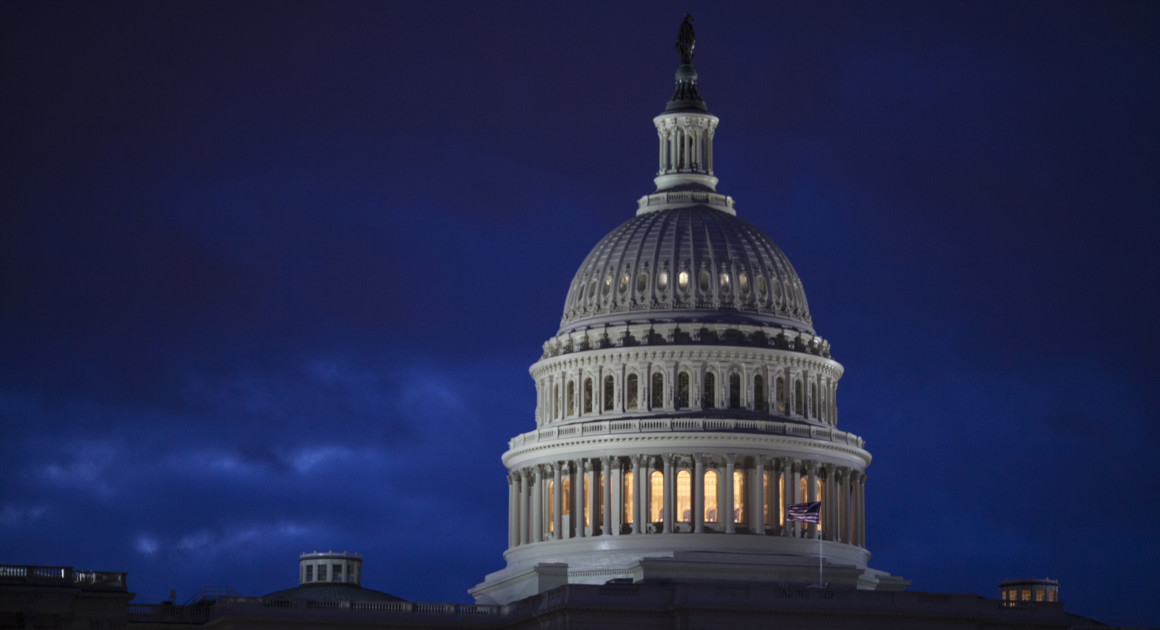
(658, 425)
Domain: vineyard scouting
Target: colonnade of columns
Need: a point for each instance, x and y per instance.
(683, 493)
(686, 144)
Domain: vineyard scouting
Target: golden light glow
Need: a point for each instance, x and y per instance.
(584, 499)
(684, 496)
(781, 500)
(738, 496)
(656, 503)
(710, 496)
(551, 506)
(765, 499)
(627, 493)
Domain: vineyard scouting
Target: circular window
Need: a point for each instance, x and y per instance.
(683, 280)
(663, 280)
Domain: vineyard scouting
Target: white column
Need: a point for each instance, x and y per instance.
(642, 490)
(729, 527)
(668, 494)
(792, 477)
(578, 498)
(537, 512)
(523, 507)
(606, 509)
(862, 510)
(636, 519)
(698, 493)
(512, 518)
(557, 502)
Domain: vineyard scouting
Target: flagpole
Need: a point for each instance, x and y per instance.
(821, 584)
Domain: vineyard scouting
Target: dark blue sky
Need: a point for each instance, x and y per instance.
(273, 272)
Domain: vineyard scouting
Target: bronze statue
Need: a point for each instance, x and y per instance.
(686, 40)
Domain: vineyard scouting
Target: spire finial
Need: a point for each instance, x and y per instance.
(686, 40)
(685, 97)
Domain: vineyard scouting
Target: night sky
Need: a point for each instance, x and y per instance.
(272, 273)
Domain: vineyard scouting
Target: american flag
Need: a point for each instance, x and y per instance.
(806, 512)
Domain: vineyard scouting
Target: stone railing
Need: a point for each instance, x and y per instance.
(672, 425)
(61, 576)
(259, 607)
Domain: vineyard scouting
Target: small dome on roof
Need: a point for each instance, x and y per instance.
(692, 263)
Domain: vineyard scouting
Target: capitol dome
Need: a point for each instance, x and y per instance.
(686, 421)
(692, 263)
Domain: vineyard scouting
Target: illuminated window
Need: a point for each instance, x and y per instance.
(761, 285)
(1039, 595)
(738, 496)
(684, 496)
(630, 397)
(584, 499)
(587, 395)
(607, 284)
(623, 283)
(608, 391)
(663, 280)
(743, 282)
(709, 395)
(703, 280)
(758, 393)
(571, 397)
(627, 493)
(781, 501)
(735, 391)
(1051, 596)
(710, 496)
(1025, 595)
(658, 390)
(565, 496)
(724, 282)
(683, 280)
(656, 499)
(682, 390)
(551, 506)
(765, 498)
(642, 282)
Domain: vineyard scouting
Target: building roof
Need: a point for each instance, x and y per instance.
(734, 274)
(332, 591)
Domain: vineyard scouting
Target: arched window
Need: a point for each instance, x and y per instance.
(780, 385)
(798, 401)
(684, 497)
(630, 395)
(813, 400)
(738, 496)
(682, 390)
(584, 499)
(765, 498)
(735, 391)
(551, 506)
(709, 396)
(658, 390)
(608, 391)
(759, 393)
(566, 497)
(571, 397)
(683, 280)
(627, 492)
(587, 395)
(710, 496)
(641, 282)
(656, 499)
(703, 280)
